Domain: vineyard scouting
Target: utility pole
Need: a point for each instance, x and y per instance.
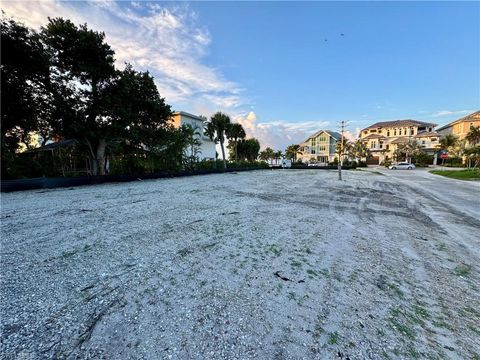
(340, 155)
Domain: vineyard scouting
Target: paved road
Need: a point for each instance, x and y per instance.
(463, 195)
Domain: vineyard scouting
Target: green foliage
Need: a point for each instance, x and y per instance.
(216, 129)
(467, 174)
(422, 159)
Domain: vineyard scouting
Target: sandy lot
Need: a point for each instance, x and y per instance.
(286, 264)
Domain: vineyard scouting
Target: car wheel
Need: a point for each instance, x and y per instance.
(409, 168)
(394, 168)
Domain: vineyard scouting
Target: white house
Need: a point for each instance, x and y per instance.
(320, 147)
(207, 147)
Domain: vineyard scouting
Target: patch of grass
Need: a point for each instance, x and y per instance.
(376, 172)
(296, 263)
(333, 338)
(466, 174)
(308, 251)
(463, 270)
(291, 296)
(421, 312)
(403, 328)
(274, 249)
(324, 272)
(395, 289)
(312, 273)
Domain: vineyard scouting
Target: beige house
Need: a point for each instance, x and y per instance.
(383, 138)
(461, 127)
(207, 147)
(319, 147)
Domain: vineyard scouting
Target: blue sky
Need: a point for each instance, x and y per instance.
(283, 69)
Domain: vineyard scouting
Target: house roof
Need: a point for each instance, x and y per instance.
(374, 136)
(184, 113)
(55, 145)
(473, 116)
(427, 134)
(399, 140)
(399, 123)
(333, 134)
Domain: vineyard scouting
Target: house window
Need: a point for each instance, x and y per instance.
(314, 142)
(430, 129)
(405, 131)
(373, 145)
(423, 142)
(380, 145)
(394, 132)
(412, 132)
(387, 147)
(312, 151)
(388, 132)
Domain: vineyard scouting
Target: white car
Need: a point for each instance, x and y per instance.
(402, 166)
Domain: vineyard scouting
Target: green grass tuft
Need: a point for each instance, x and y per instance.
(466, 174)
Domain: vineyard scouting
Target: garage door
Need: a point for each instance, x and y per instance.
(374, 160)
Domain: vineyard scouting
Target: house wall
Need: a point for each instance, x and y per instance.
(460, 129)
(208, 147)
(320, 148)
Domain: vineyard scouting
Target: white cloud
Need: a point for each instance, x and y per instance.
(278, 134)
(166, 40)
(443, 113)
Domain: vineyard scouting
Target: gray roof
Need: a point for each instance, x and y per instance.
(399, 123)
(333, 134)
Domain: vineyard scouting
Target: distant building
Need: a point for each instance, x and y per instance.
(461, 127)
(383, 138)
(207, 147)
(320, 147)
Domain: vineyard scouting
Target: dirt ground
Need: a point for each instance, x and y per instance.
(284, 264)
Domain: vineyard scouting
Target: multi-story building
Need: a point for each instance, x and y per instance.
(207, 147)
(384, 138)
(461, 127)
(319, 147)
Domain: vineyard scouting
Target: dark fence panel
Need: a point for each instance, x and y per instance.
(57, 182)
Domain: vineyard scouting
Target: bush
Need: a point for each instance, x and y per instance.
(423, 160)
(362, 164)
(386, 163)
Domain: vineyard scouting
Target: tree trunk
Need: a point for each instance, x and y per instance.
(223, 154)
(102, 143)
(236, 153)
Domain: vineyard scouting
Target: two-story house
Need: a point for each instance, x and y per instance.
(461, 127)
(383, 138)
(207, 147)
(320, 147)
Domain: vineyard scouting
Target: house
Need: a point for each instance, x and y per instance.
(207, 147)
(383, 138)
(320, 147)
(461, 127)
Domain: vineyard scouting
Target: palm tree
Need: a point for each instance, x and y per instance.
(360, 150)
(410, 148)
(216, 129)
(235, 132)
(448, 141)
(291, 152)
(473, 136)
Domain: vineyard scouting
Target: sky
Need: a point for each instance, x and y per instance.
(287, 69)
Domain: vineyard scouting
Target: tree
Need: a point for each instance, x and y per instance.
(248, 149)
(25, 87)
(473, 136)
(448, 141)
(216, 130)
(409, 149)
(292, 151)
(105, 104)
(360, 150)
(192, 145)
(234, 133)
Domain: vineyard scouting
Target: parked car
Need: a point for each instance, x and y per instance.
(402, 166)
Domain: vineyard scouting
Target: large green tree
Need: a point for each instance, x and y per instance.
(216, 130)
(235, 133)
(105, 104)
(25, 87)
(292, 151)
(248, 149)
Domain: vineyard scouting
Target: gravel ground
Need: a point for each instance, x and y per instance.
(287, 264)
